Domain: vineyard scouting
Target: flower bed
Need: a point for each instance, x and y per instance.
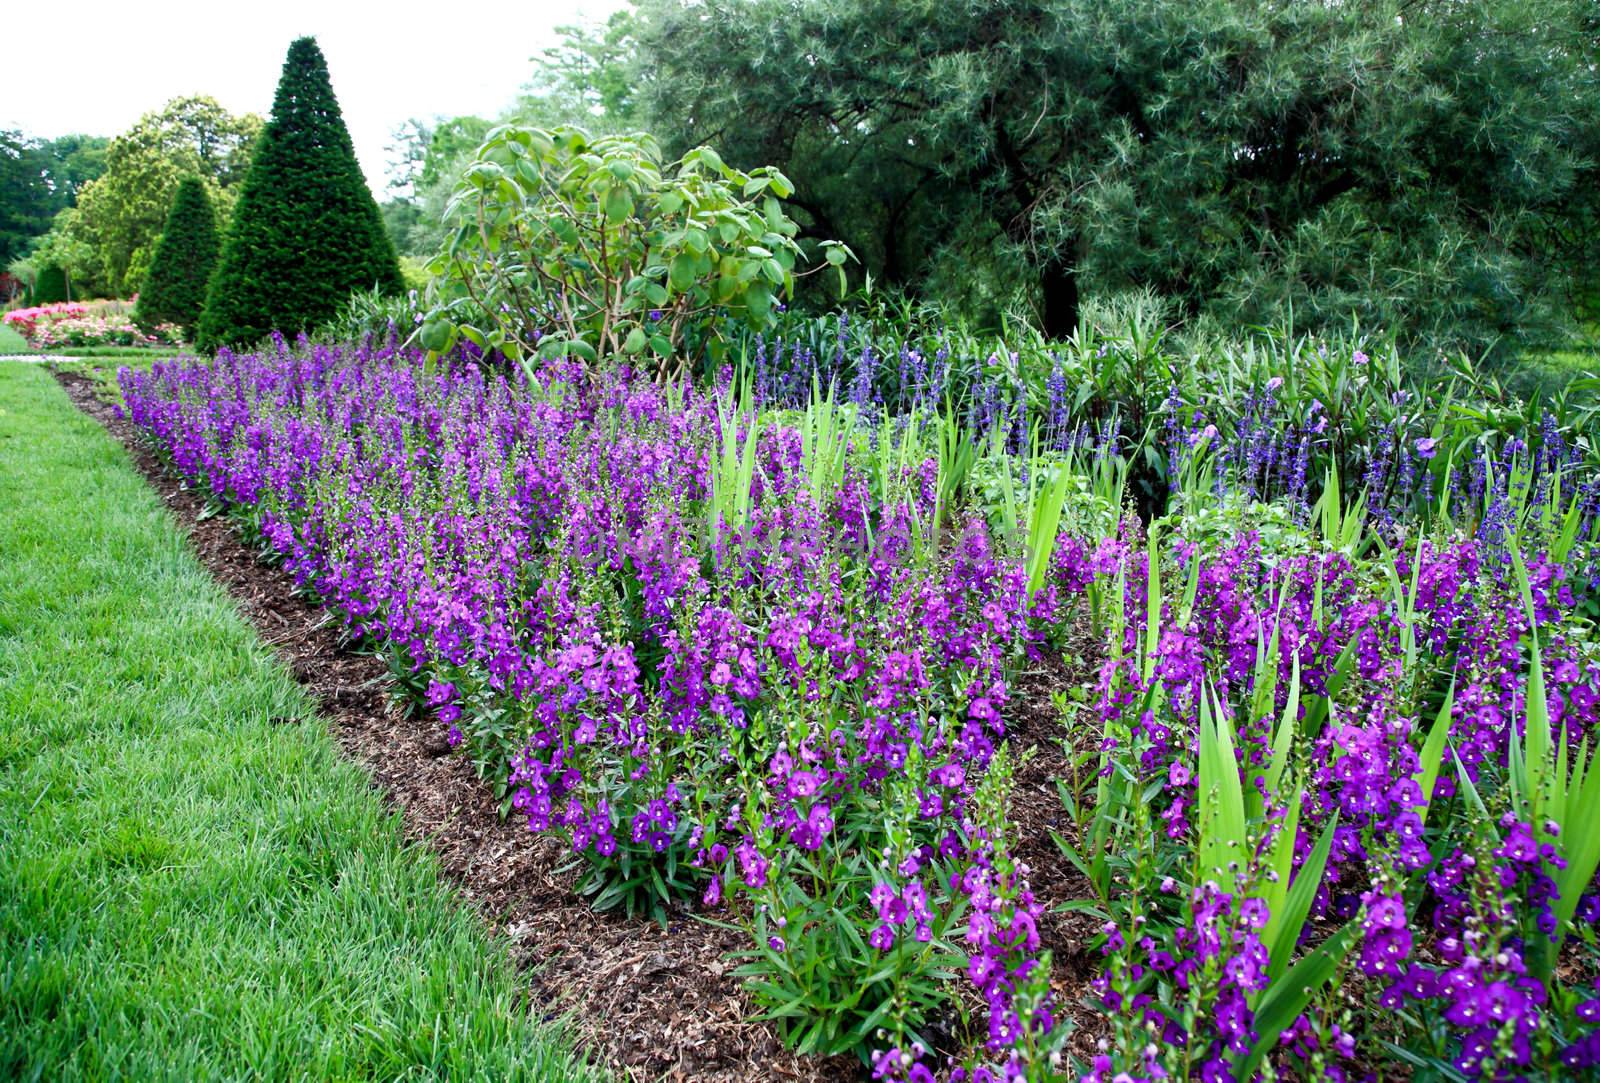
(764, 663)
(26, 321)
(73, 324)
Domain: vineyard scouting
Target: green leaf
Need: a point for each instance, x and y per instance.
(436, 336)
(565, 231)
(1221, 851)
(1282, 743)
(619, 206)
(1443, 1069)
(635, 341)
(1288, 996)
(1278, 862)
(567, 347)
(758, 298)
(1580, 836)
(1432, 755)
(1464, 780)
(681, 271)
(1320, 707)
(711, 158)
(1284, 926)
(1152, 627)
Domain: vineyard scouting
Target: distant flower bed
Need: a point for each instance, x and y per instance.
(26, 320)
(77, 324)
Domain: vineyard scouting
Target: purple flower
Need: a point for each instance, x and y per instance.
(802, 784)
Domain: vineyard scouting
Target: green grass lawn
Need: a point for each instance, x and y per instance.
(1551, 371)
(1576, 361)
(189, 889)
(103, 371)
(11, 340)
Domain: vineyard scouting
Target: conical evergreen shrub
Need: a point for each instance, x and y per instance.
(306, 230)
(52, 286)
(174, 290)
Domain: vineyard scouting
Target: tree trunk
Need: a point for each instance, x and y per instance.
(892, 272)
(1058, 286)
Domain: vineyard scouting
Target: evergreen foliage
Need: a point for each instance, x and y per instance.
(175, 289)
(306, 231)
(1420, 164)
(52, 286)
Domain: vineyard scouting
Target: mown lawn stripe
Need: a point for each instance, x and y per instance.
(189, 890)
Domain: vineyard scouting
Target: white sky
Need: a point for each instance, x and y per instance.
(102, 65)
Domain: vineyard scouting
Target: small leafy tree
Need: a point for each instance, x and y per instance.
(565, 245)
(174, 290)
(122, 212)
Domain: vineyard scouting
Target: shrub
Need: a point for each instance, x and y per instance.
(175, 288)
(371, 314)
(306, 230)
(52, 287)
(566, 245)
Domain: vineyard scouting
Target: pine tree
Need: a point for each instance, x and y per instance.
(174, 290)
(52, 286)
(306, 230)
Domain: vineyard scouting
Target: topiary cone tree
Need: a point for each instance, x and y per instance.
(174, 290)
(306, 230)
(52, 286)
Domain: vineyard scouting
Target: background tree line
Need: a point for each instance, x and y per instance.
(95, 207)
(300, 232)
(589, 78)
(1425, 166)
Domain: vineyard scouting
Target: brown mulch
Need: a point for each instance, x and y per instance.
(1036, 727)
(648, 1002)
